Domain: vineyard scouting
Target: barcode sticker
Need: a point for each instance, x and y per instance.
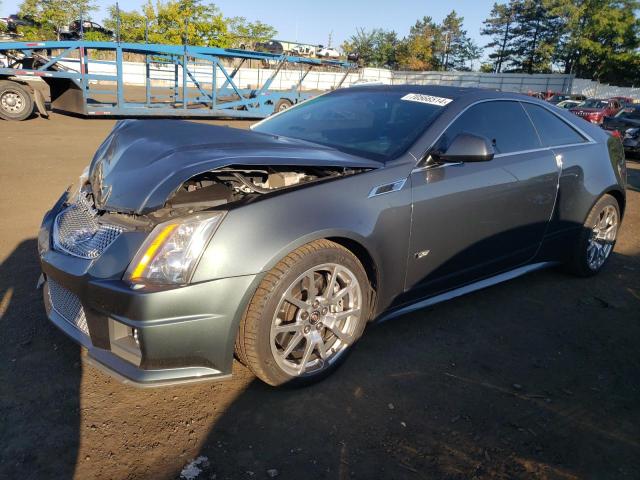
(431, 100)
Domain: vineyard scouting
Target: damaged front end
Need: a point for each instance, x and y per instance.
(120, 252)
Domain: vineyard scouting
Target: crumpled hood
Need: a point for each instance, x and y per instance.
(142, 162)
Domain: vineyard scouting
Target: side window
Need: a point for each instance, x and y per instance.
(504, 123)
(552, 130)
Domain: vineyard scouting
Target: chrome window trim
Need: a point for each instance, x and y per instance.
(588, 138)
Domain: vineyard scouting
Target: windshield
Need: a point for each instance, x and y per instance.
(633, 113)
(372, 124)
(594, 104)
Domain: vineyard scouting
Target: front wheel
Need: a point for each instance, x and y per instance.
(305, 316)
(597, 238)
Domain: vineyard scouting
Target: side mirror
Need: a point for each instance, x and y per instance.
(467, 147)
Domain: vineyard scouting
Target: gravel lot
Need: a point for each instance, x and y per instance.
(536, 378)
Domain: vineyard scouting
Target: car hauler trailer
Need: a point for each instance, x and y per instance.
(88, 79)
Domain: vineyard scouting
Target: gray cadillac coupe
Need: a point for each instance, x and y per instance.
(184, 244)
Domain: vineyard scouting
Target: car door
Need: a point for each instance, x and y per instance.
(473, 220)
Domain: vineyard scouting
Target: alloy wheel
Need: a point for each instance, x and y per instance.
(316, 319)
(603, 237)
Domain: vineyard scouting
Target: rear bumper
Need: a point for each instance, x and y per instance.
(183, 334)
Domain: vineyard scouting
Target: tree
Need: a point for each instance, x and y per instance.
(362, 45)
(416, 52)
(132, 24)
(187, 21)
(192, 21)
(53, 15)
(599, 39)
(453, 46)
(247, 34)
(374, 48)
(535, 36)
(499, 26)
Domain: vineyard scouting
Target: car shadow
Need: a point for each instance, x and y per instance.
(532, 378)
(39, 376)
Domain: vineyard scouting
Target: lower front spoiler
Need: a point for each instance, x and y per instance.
(124, 371)
(169, 355)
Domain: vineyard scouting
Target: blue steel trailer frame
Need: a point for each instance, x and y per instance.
(75, 90)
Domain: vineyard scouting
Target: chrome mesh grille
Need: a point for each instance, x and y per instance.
(77, 231)
(68, 306)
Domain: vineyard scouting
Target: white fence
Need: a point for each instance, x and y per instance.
(596, 89)
(506, 82)
(134, 74)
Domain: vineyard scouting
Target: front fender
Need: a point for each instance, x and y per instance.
(254, 237)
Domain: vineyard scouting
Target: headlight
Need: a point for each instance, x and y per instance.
(632, 132)
(171, 252)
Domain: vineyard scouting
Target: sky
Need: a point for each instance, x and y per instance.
(313, 21)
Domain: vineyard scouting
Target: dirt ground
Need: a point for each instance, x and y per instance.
(535, 378)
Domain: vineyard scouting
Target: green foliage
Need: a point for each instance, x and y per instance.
(191, 21)
(247, 34)
(53, 15)
(499, 26)
(596, 39)
(132, 25)
(376, 48)
(97, 37)
(417, 51)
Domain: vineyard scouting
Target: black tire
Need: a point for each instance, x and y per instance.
(282, 105)
(253, 343)
(579, 263)
(16, 102)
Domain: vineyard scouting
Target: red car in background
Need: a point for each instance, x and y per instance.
(595, 109)
(624, 101)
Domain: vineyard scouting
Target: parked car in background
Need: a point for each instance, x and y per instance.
(624, 101)
(13, 22)
(183, 243)
(626, 125)
(595, 109)
(75, 31)
(567, 104)
(326, 52)
(561, 97)
(270, 46)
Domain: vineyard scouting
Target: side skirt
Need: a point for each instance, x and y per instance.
(472, 287)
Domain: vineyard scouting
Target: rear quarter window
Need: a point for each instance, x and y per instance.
(552, 130)
(504, 123)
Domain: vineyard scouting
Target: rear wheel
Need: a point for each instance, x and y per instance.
(15, 101)
(282, 105)
(597, 238)
(305, 316)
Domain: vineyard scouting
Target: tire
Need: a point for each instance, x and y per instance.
(597, 238)
(282, 105)
(16, 102)
(300, 343)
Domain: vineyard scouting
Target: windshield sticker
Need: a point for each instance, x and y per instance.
(431, 100)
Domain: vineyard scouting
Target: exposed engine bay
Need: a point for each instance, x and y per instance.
(231, 185)
(236, 183)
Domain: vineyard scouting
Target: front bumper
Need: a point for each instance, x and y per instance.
(184, 334)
